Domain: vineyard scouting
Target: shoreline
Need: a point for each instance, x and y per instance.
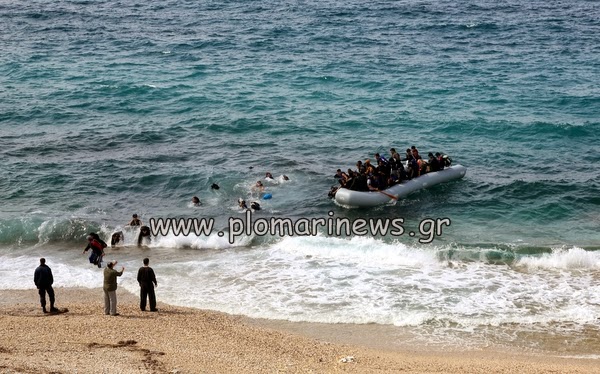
(187, 340)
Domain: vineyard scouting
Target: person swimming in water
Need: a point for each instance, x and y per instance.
(196, 201)
(135, 221)
(259, 186)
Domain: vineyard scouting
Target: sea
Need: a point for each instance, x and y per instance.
(110, 108)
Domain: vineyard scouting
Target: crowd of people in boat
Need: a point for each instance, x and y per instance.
(384, 173)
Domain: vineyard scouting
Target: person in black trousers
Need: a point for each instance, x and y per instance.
(43, 279)
(147, 281)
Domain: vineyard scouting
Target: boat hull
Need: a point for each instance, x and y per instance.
(351, 198)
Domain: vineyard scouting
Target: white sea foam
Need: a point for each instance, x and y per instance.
(571, 258)
(335, 280)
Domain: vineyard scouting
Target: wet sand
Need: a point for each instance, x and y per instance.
(185, 340)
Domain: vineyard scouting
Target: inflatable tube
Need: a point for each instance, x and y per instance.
(349, 198)
(267, 196)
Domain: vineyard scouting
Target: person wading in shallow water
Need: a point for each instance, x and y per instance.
(97, 246)
(144, 233)
(135, 221)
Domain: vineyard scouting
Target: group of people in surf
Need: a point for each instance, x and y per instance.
(96, 245)
(384, 173)
(258, 188)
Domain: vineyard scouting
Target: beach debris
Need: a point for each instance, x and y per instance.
(347, 359)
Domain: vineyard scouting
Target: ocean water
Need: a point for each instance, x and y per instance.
(112, 108)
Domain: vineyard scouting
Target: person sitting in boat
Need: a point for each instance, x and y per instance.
(415, 152)
(360, 168)
(349, 181)
(434, 164)
(413, 167)
(392, 180)
(392, 153)
(445, 160)
(383, 180)
(372, 183)
(422, 166)
(339, 174)
(369, 169)
(408, 154)
(397, 167)
(440, 160)
(383, 167)
(378, 157)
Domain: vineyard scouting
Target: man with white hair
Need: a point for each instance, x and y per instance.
(110, 288)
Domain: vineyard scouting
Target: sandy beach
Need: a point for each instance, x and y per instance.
(184, 340)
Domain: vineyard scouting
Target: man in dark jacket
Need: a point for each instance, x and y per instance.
(147, 281)
(42, 277)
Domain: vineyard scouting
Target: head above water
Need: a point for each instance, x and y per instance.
(195, 200)
(134, 216)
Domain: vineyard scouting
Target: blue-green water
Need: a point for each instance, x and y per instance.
(114, 108)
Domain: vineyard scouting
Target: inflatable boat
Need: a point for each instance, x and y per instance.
(350, 198)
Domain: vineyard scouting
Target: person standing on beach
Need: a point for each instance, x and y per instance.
(147, 281)
(110, 288)
(43, 279)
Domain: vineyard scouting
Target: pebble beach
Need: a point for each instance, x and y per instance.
(186, 340)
